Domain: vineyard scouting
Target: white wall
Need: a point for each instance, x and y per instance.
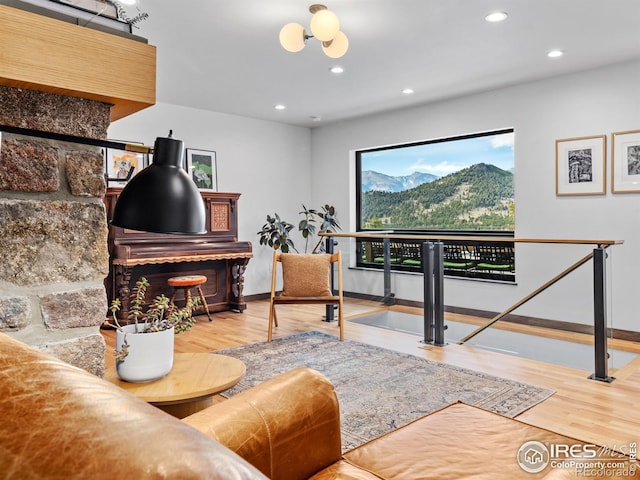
(277, 167)
(267, 162)
(590, 103)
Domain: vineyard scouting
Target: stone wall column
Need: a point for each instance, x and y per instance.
(53, 230)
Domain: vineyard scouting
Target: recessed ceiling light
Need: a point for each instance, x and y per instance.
(315, 118)
(337, 69)
(407, 91)
(494, 17)
(279, 107)
(127, 2)
(555, 53)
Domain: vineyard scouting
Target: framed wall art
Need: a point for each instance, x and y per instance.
(580, 166)
(201, 165)
(118, 163)
(625, 162)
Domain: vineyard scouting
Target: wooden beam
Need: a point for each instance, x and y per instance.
(45, 54)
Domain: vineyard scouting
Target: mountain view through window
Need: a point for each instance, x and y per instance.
(463, 183)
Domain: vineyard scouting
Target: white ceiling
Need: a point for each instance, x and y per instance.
(224, 55)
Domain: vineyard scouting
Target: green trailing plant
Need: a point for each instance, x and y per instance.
(276, 232)
(160, 315)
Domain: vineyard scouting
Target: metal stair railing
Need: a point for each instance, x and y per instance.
(433, 271)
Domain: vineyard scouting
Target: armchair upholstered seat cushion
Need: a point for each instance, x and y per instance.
(305, 275)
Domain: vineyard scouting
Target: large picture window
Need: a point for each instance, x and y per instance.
(461, 185)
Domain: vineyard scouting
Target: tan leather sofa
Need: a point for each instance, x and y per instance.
(61, 422)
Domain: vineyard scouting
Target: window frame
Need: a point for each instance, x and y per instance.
(508, 277)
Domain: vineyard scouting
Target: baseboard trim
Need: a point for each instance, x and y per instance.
(257, 296)
(517, 319)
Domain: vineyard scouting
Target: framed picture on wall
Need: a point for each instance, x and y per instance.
(201, 165)
(625, 162)
(580, 165)
(118, 164)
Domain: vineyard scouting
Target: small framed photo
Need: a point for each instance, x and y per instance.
(201, 165)
(580, 166)
(625, 162)
(118, 164)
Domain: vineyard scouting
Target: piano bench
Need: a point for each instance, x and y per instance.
(186, 283)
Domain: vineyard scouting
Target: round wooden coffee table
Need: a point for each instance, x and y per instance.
(188, 388)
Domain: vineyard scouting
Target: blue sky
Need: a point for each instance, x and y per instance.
(443, 158)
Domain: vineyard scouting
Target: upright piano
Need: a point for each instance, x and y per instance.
(217, 254)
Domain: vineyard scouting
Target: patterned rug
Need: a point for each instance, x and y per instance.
(379, 389)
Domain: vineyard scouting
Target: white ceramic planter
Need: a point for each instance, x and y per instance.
(150, 354)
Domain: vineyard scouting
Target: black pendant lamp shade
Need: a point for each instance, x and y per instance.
(162, 198)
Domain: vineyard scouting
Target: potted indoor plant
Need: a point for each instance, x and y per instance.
(144, 347)
(276, 232)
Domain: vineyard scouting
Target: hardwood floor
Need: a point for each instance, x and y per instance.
(592, 411)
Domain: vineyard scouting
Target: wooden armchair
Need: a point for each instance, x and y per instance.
(306, 280)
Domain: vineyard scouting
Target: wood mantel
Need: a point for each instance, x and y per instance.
(45, 54)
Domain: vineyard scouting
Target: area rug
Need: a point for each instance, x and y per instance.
(379, 389)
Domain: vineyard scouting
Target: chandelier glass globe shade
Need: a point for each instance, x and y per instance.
(325, 25)
(292, 37)
(338, 46)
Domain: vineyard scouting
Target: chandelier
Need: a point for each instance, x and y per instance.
(324, 26)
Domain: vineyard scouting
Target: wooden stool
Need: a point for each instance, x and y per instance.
(187, 282)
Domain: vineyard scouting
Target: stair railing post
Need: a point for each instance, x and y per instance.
(388, 297)
(427, 274)
(329, 315)
(600, 316)
(438, 294)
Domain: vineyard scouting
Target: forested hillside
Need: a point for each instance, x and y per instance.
(477, 198)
